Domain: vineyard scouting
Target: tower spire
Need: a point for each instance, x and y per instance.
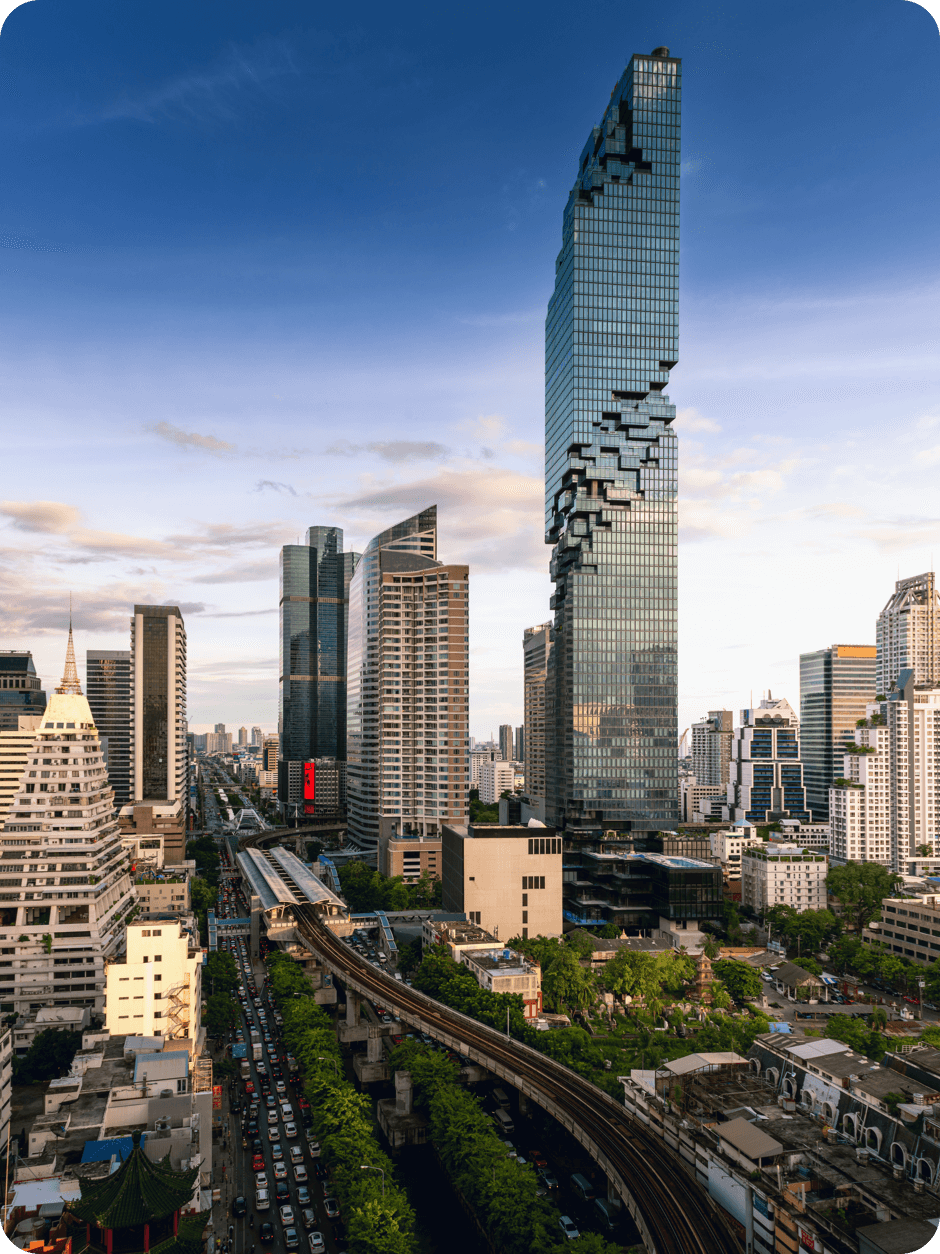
(70, 682)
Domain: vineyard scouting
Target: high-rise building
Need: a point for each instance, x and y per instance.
(611, 338)
(711, 747)
(269, 753)
(519, 745)
(913, 715)
(21, 690)
(860, 809)
(16, 748)
(242, 737)
(536, 646)
(159, 754)
(908, 633)
(496, 778)
(836, 684)
(257, 736)
(314, 608)
(505, 742)
(766, 774)
(61, 935)
(219, 729)
(156, 988)
(407, 748)
(108, 685)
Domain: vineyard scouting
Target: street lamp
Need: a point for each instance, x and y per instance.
(324, 1058)
(367, 1167)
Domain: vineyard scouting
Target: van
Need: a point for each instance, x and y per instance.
(583, 1187)
(504, 1125)
(607, 1214)
(500, 1097)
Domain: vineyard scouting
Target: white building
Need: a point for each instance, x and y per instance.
(65, 886)
(698, 801)
(711, 739)
(157, 989)
(728, 846)
(765, 777)
(908, 633)
(777, 874)
(860, 808)
(913, 714)
(477, 759)
(15, 748)
(496, 777)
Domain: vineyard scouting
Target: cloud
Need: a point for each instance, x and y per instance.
(242, 613)
(397, 451)
(246, 572)
(30, 245)
(274, 486)
(191, 439)
(691, 420)
(49, 517)
(715, 500)
(228, 536)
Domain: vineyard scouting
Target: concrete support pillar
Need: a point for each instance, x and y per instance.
(353, 1001)
(403, 1092)
(254, 926)
(374, 1047)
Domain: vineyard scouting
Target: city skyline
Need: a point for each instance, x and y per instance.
(789, 354)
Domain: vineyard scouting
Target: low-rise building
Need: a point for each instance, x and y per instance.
(163, 892)
(778, 874)
(506, 879)
(727, 847)
(910, 926)
(48, 1018)
(410, 856)
(505, 971)
(696, 800)
(157, 989)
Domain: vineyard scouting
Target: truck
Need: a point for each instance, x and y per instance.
(240, 1050)
(245, 1069)
(256, 1050)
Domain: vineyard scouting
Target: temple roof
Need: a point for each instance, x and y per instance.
(137, 1193)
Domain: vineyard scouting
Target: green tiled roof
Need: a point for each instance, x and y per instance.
(137, 1193)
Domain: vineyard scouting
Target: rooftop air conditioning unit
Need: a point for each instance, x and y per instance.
(161, 1125)
(166, 1092)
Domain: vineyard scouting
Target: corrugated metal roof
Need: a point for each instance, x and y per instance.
(165, 1066)
(817, 1049)
(748, 1139)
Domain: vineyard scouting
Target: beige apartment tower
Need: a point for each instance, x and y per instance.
(908, 633)
(536, 646)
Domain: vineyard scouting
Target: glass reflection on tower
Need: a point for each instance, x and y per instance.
(611, 338)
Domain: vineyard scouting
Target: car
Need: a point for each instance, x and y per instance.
(313, 1145)
(296, 1154)
(548, 1178)
(257, 1163)
(266, 1233)
(331, 1206)
(538, 1158)
(261, 1179)
(287, 1110)
(321, 1171)
(291, 1239)
(287, 1214)
(270, 1101)
(277, 1153)
(281, 1192)
(317, 1244)
(239, 1207)
(274, 1132)
(303, 1196)
(300, 1173)
(280, 1086)
(280, 1171)
(252, 1127)
(290, 1130)
(249, 1086)
(568, 1228)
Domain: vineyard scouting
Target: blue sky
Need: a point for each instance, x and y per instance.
(268, 266)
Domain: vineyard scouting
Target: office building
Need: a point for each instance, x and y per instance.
(507, 880)
(611, 461)
(410, 857)
(478, 758)
(312, 790)
(15, 750)
(836, 684)
(157, 989)
(21, 691)
(519, 745)
(496, 777)
(766, 775)
(907, 635)
(63, 910)
(726, 848)
(257, 737)
(860, 798)
(536, 646)
(913, 716)
(711, 739)
(269, 753)
(108, 687)
(407, 767)
(219, 729)
(910, 925)
(159, 751)
(775, 874)
(243, 737)
(699, 803)
(314, 608)
(505, 742)
(163, 891)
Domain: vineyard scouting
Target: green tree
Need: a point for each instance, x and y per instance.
(48, 1057)
(567, 987)
(409, 956)
(224, 1069)
(202, 895)
(861, 887)
(219, 1014)
(741, 981)
(592, 1243)
(221, 970)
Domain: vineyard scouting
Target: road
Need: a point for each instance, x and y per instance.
(676, 1211)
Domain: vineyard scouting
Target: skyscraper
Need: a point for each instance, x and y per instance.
(536, 646)
(314, 605)
(519, 744)
(711, 748)
(242, 736)
(505, 741)
(407, 746)
(766, 775)
(20, 689)
(159, 756)
(836, 685)
(108, 685)
(907, 636)
(611, 338)
(257, 736)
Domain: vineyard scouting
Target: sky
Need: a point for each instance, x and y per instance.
(264, 267)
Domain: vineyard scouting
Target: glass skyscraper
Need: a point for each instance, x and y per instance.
(611, 338)
(836, 684)
(314, 603)
(108, 685)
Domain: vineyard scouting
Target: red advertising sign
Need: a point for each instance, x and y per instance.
(309, 786)
(217, 1097)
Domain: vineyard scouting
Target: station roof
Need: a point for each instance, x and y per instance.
(278, 877)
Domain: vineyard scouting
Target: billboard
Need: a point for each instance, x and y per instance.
(309, 787)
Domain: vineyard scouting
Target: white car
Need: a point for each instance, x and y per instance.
(317, 1244)
(568, 1228)
(296, 1154)
(300, 1173)
(287, 1215)
(290, 1130)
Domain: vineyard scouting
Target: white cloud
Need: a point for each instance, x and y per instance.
(691, 420)
(192, 439)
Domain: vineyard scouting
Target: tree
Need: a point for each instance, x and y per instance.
(203, 895)
(566, 985)
(222, 972)
(861, 887)
(48, 1057)
(592, 1243)
(224, 1069)
(741, 981)
(219, 1014)
(409, 956)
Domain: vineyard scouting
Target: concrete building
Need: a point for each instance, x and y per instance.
(910, 926)
(502, 970)
(66, 887)
(860, 800)
(913, 715)
(536, 646)
(159, 752)
(15, 749)
(505, 742)
(907, 635)
(711, 739)
(477, 759)
(108, 686)
(6, 1082)
(699, 802)
(157, 989)
(410, 857)
(496, 778)
(506, 879)
(777, 874)
(836, 684)
(312, 790)
(21, 692)
(727, 848)
(519, 745)
(163, 891)
(48, 1019)
(407, 684)
(765, 779)
(257, 737)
